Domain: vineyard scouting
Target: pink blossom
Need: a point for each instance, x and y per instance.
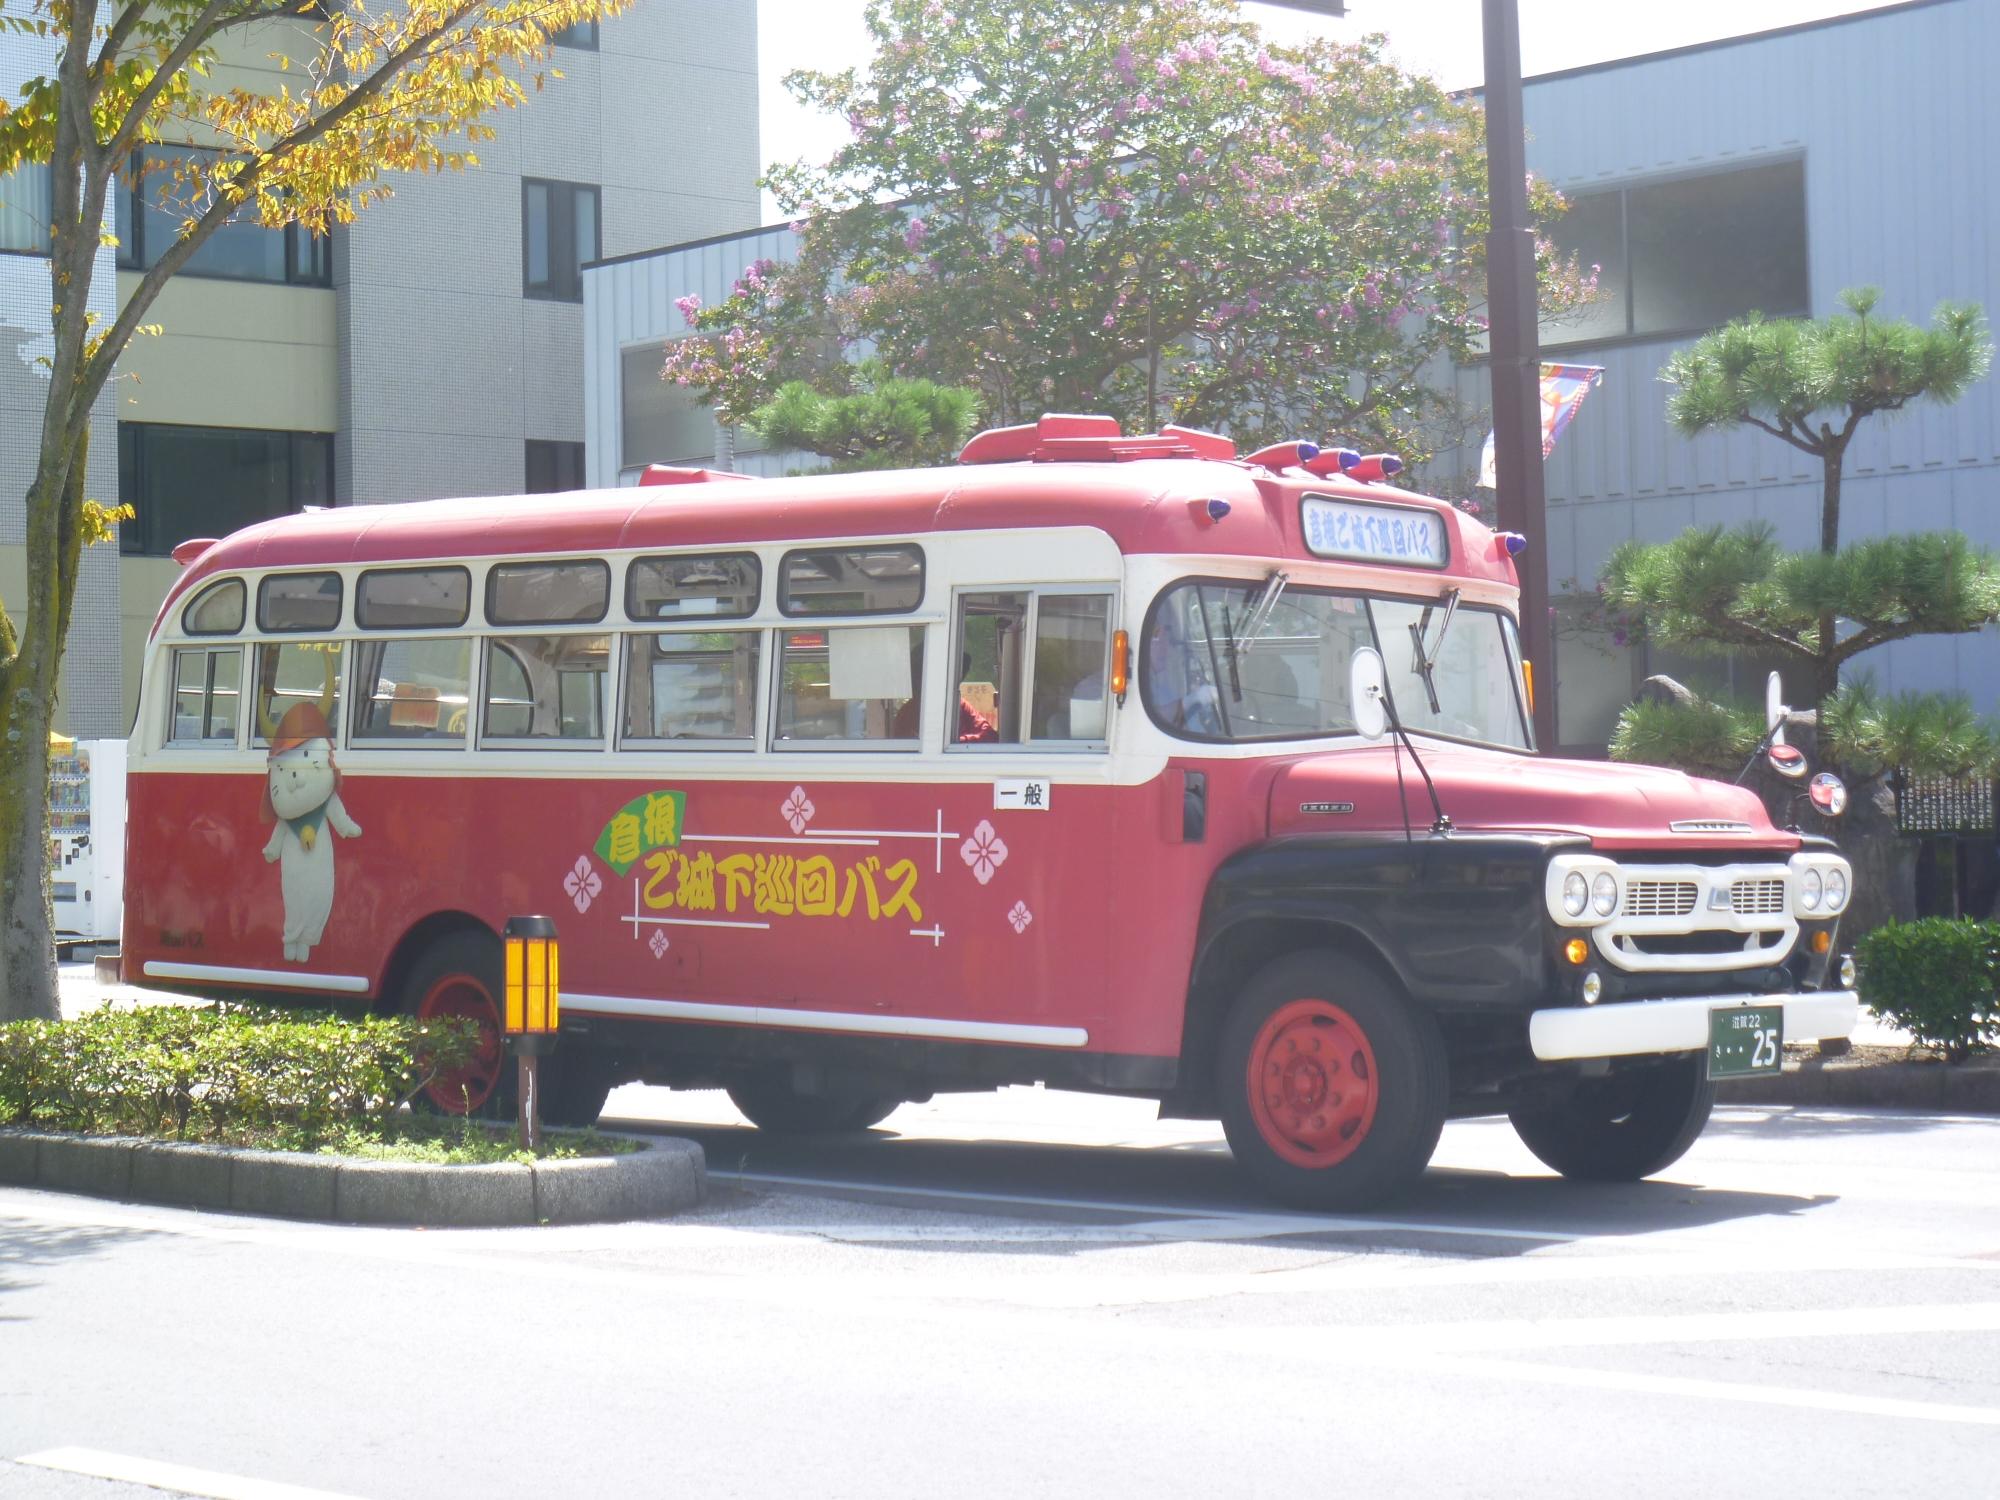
(1057, 246)
(1181, 181)
(1347, 312)
(1199, 156)
(689, 306)
(1109, 321)
(1208, 49)
(944, 158)
(1123, 61)
(913, 237)
(1165, 69)
(1143, 103)
(1019, 112)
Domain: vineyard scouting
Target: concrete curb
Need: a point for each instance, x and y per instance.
(662, 1177)
(1933, 1086)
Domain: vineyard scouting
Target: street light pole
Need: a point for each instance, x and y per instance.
(1516, 359)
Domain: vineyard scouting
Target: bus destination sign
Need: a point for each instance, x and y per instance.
(1405, 535)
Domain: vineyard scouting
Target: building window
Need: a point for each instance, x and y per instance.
(554, 467)
(582, 36)
(1688, 255)
(153, 201)
(27, 205)
(209, 481)
(559, 232)
(659, 422)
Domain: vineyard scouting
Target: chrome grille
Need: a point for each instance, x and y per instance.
(1659, 898)
(1758, 898)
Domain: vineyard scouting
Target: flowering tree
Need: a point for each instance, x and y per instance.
(1129, 206)
(405, 85)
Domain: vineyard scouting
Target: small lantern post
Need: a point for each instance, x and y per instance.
(532, 1012)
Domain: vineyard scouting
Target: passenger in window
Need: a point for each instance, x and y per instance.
(1177, 678)
(974, 728)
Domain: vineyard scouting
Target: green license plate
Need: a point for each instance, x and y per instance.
(1746, 1040)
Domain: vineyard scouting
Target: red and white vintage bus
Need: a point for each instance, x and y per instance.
(841, 794)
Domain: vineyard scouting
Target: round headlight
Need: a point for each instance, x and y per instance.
(1810, 886)
(1604, 894)
(1836, 889)
(1593, 987)
(1847, 971)
(1576, 893)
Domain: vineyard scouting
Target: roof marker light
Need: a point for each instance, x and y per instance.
(1217, 509)
(1331, 461)
(1514, 543)
(1376, 466)
(1207, 512)
(1286, 455)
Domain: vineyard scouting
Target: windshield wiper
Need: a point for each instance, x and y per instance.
(1425, 664)
(1260, 614)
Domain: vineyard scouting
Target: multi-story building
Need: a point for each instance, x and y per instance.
(433, 347)
(1763, 172)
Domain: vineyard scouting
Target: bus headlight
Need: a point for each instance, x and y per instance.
(1811, 888)
(1847, 971)
(1576, 893)
(1604, 894)
(1836, 889)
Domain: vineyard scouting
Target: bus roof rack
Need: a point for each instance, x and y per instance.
(668, 474)
(1089, 439)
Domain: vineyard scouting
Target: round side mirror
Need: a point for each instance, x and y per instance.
(1787, 760)
(1368, 692)
(1828, 793)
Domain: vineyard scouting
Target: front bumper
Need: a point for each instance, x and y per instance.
(1635, 1028)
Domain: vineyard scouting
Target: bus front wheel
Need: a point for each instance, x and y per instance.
(459, 977)
(1621, 1128)
(771, 1101)
(1332, 1087)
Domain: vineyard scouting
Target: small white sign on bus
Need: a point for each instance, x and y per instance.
(1366, 532)
(1021, 796)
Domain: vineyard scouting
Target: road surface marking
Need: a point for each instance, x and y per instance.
(175, 1478)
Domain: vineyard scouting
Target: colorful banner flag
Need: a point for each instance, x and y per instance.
(1563, 390)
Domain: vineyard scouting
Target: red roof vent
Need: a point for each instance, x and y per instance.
(1088, 439)
(667, 474)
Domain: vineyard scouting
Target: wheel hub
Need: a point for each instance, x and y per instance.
(1312, 1083)
(465, 1088)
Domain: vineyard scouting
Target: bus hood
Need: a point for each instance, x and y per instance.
(1614, 805)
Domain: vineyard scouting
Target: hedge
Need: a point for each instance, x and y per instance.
(218, 1071)
(1935, 978)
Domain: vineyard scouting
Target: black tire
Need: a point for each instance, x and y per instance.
(1329, 1131)
(460, 974)
(1623, 1127)
(576, 1080)
(769, 1101)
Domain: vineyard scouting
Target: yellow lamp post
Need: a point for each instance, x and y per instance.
(533, 1011)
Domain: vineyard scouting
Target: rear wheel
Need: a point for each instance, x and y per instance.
(771, 1101)
(1620, 1128)
(459, 976)
(576, 1080)
(1332, 1087)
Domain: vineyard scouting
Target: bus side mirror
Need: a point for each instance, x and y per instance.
(1368, 693)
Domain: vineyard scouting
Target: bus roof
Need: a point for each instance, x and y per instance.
(1147, 505)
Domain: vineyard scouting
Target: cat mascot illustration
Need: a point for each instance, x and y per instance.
(302, 798)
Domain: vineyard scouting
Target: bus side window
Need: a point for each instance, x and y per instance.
(1032, 667)
(207, 691)
(692, 686)
(546, 688)
(850, 682)
(412, 691)
(297, 690)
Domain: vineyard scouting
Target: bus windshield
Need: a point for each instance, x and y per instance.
(1216, 666)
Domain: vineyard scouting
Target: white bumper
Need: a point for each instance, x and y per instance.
(1630, 1028)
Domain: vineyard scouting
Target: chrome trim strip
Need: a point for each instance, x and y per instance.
(281, 979)
(827, 1020)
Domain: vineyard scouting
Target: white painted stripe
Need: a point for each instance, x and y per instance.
(690, 922)
(175, 1478)
(1630, 1028)
(760, 838)
(827, 1020)
(283, 979)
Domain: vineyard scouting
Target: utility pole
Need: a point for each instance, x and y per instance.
(1516, 360)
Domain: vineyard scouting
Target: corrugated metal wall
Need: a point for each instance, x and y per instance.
(1898, 122)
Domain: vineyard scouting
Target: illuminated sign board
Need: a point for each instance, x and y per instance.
(1405, 536)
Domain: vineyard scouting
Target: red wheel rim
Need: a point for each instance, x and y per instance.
(465, 1089)
(1312, 1083)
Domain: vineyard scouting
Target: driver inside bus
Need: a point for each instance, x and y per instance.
(1176, 680)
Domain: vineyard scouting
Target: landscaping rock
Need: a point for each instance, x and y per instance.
(287, 1185)
(665, 1178)
(181, 1172)
(387, 1192)
(98, 1165)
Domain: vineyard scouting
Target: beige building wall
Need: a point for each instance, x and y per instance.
(142, 583)
(233, 354)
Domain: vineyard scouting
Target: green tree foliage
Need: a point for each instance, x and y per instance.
(403, 86)
(883, 423)
(1131, 207)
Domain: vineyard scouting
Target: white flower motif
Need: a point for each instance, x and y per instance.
(985, 851)
(583, 883)
(798, 809)
(1020, 916)
(659, 943)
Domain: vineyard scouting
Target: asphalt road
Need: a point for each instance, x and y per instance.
(1036, 1293)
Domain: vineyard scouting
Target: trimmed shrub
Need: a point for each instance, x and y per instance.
(1936, 979)
(205, 1072)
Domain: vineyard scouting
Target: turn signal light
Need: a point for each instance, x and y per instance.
(1821, 941)
(1528, 679)
(1576, 950)
(1121, 661)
